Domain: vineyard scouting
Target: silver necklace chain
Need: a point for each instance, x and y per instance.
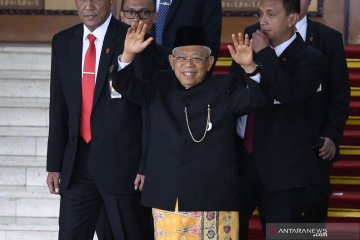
(208, 125)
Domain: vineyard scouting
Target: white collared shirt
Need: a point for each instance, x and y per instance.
(157, 4)
(241, 122)
(281, 48)
(99, 33)
(301, 27)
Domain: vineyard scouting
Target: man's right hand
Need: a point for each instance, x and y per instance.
(53, 182)
(134, 42)
(260, 41)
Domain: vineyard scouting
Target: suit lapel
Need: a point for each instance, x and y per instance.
(76, 68)
(173, 8)
(291, 50)
(107, 52)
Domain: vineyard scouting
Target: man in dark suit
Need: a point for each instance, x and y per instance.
(93, 156)
(132, 12)
(204, 13)
(328, 110)
(280, 163)
(183, 141)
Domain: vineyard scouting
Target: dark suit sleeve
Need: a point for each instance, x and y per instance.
(153, 58)
(295, 88)
(339, 91)
(211, 21)
(245, 94)
(129, 85)
(58, 131)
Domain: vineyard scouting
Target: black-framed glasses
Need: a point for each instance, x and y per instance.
(194, 60)
(131, 13)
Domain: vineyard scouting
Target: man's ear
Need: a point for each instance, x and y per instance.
(211, 60)
(171, 61)
(293, 19)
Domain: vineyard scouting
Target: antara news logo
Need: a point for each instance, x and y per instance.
(300, 231)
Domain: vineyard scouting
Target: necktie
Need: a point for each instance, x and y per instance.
(88, 82)
(248, 137)
(164, 7)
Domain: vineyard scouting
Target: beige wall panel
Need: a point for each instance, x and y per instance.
(60, 4)
(234, 25)
(354, 28)
(334, 14)
(26, 28)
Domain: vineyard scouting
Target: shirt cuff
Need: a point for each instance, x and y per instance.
(122, 65)
(256, 78)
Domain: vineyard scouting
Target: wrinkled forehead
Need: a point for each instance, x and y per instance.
(192, 50)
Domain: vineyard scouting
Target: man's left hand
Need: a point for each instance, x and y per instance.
(242, 53)
(328, 150)
(139, 182)
(134, 42)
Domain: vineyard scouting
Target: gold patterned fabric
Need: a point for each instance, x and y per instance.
(205, 225)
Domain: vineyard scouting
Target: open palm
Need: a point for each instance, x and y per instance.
(134, 41)
(241, 51)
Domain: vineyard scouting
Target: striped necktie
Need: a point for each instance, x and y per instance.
(164, 7)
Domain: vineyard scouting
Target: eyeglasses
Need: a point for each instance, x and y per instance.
(143, 14)
(194, 60)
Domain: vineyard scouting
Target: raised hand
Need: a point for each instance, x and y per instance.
(242, 52)
(134, 41)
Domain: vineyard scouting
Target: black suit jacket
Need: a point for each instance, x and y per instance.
(329, 109)
(116, 124)
(204, 13)
(283, 152)
(203, 176)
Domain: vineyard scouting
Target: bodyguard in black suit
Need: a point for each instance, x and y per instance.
(102, 170)
(275, 175)
(204, 13)
(328, 110)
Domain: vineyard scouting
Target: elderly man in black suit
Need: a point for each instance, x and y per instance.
(328, 110)
(191, 166)
(277, 161)
(94, 145)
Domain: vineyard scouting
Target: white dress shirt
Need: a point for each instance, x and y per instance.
(301, 27)
(99, 33)
(157, 4)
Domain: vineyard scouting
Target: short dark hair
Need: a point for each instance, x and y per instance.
(292, 6)
(122, 4)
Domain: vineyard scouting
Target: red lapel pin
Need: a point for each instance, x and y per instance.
(107, 50)
(311, 39)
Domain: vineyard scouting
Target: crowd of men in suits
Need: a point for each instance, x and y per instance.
(98, 140)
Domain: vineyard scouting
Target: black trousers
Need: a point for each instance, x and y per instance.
(274, 206)
(81, 202)
(317, 196)
(103, 227)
